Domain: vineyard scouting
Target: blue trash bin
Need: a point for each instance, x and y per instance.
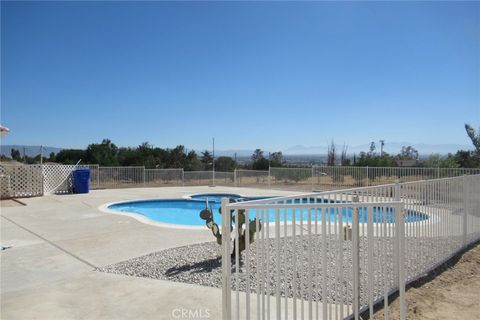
(81, 181)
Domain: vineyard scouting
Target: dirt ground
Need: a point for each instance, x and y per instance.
(452, 291)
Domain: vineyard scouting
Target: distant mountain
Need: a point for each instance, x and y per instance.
(303, 150)
(30, 151)
(390, 147)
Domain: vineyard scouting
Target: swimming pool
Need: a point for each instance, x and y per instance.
(186, 212)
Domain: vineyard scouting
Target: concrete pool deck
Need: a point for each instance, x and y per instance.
(57, 241)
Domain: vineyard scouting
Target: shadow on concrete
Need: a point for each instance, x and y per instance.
(197, 267)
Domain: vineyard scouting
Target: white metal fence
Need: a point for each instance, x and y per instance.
(203, 178)
(325, 255)
(337, 177)
(251, 178)
(121, 177)
(300, 179)
(159, 177)
(22, 178)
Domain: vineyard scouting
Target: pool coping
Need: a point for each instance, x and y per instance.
(141, 218)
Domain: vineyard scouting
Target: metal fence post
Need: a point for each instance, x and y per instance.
(226, 261)
(235, 177)
(269, 178)
(183, 177)
(465, 195)
(356, 258)
(396, 190)
(313, 178)
(400, 238)
(213, 176)
(98, 176)
(397, 262)
(144, 176)
(368, 178)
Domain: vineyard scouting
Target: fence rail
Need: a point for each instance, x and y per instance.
(334, 254)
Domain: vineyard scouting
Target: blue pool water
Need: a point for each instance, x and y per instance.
(186, 211)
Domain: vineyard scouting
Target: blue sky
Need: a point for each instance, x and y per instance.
(268, 75)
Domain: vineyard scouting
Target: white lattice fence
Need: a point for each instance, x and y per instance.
(21, 181)
(58, 177)
(5, 186)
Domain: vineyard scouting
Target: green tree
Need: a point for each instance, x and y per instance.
(450, 162)
(343, 159)
(437, 161)
(467, 159)
(192, 162)
(145, 152)
(207, 160)
(276, 159)
(474, 136)
(366, 159)
(51, 157)
(176, 157)
(259, 162)
(15, 153)
(408, 153)
(104, 153)
(70, 156)
(257, 155)
(129, 157)
(433, 161)
(331, 154)
(225, 164)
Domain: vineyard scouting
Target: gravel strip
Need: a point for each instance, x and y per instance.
(201, 264)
